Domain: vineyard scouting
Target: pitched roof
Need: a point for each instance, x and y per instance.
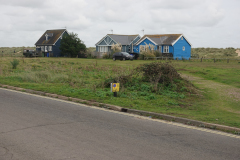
(122, 39)
(161, 39)
(53, 36)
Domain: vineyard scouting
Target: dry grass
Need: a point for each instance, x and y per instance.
(214, 52)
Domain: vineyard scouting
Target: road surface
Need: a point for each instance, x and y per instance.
(41, 128)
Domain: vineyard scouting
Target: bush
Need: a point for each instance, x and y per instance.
(159, 72)
(146, 54)
(152, 77)
(90, 56)
(157, 53)
(14, 63)
(105, 56)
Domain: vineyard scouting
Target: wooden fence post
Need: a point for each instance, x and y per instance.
(228, 61)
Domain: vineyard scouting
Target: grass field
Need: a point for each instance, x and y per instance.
(216, 98)
(216, 52)
(9, 51)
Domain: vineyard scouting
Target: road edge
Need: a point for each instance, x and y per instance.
(132, 111)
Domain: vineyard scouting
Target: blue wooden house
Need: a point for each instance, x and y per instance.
(127, 42)
(173, 45)
(49, 42)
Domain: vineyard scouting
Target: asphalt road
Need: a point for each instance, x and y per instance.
(40, 128)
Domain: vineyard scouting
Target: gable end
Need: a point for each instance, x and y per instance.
(181, 38)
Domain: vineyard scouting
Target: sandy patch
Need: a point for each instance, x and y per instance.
(238, 52)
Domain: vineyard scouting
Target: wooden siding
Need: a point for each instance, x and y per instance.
(178, 49)
(55, 49)
(146, 41)
(132, 46)
(103, 43)
(112, 42)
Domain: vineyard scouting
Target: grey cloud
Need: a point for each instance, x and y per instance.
(93, 19)
(174, 4)
(24, 3)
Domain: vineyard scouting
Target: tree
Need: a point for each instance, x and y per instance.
(71, 45)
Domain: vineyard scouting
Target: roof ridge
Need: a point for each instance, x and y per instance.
(55, 29)
(124, 34)
(160, 34)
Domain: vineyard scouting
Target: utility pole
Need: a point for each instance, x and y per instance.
(143, 31)
(111, 31)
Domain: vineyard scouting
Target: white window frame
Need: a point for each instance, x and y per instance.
(46, 37)
(182, 38)
(42, 48)
(144, 47)
(165, 49)
(129, 49)
(49, 48)
(46, 49)
(183, 48)
(160, 49)
(103, 49)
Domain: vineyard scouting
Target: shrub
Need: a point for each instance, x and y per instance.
(116, 47)
(105, 56)
(159, 72)
(146, 54)
(14, 63)
(108, 55)
(148, 51)
(152, 77)
(157, 53)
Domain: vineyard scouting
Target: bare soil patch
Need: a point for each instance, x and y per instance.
(238, 52)
(224, 91)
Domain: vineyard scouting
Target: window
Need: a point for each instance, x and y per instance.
(49, 48)
(160, 49)
(165, 49)
(46, 48)
(129, 49)
(46, 37)
(142, 48)
(42, 48)
(182, 38)
(103, 48)
(183, 48)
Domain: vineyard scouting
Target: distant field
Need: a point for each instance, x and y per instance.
(216, 99)
(9, 51)
(199, 52)
(216, 52)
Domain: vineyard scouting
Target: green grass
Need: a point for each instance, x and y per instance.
(84, 78)
(227, 73)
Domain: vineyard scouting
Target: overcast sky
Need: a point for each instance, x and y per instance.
(205, 23)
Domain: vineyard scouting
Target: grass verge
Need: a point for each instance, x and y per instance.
(85, 79)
